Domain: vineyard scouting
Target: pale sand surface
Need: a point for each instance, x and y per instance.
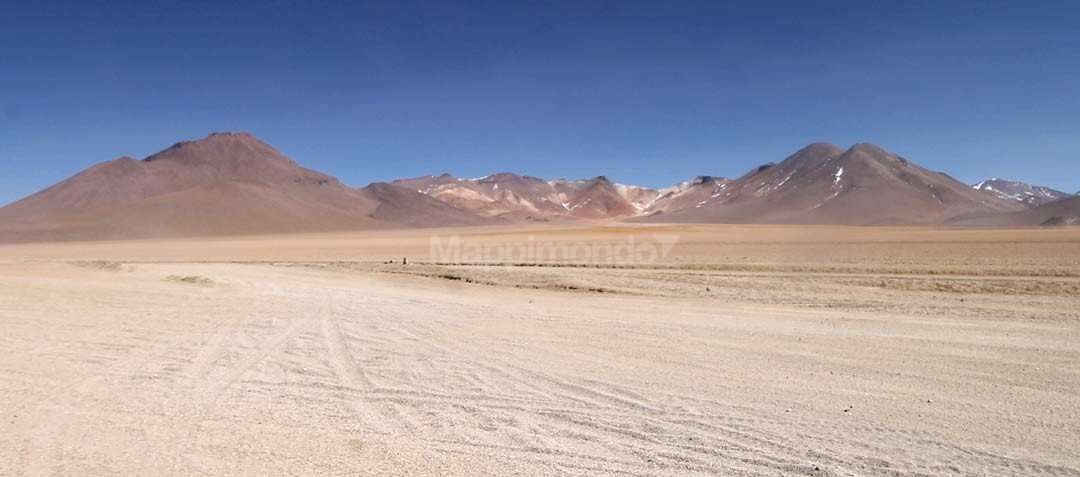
(749, 351)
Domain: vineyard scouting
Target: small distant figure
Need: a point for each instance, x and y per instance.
(405, 261)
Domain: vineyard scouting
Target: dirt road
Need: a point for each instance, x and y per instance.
(254, 369)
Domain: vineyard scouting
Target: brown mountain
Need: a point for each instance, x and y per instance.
(689, 195)
(825, 184)
(504, 195)
(598, 198)
(1058, 213)
(232, 183)
(1027, 194)
(515, 197)
(224, 184)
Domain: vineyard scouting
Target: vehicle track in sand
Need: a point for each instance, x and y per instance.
(298, 371)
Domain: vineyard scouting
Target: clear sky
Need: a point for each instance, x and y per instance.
(644, 92)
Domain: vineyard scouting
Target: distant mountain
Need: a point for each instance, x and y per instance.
(1026, 194)
(600, 198)
(232, 183)
(1061, 221)
(1062, 212)
(826, 184)
(514, 197)
(821, 183)
(224, 184)
(689, 195)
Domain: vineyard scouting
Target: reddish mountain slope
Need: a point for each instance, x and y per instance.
(517, 198)
(825, 184)
(226, 183)
(598, 198)
(401, 206)
(690, 194)
(505, 195)
(232, 183)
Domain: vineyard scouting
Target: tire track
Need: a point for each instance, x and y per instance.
(346, 371)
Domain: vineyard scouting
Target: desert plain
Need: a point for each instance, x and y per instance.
(747, 350)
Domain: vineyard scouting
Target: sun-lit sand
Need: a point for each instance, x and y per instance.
(749, 350)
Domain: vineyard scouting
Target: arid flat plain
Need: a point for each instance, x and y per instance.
(747, 350)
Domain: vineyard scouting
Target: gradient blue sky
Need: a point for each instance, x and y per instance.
(643, 92)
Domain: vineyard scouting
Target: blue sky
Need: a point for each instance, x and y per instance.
(644, 92)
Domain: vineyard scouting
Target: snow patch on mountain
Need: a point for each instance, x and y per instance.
(1020, 192)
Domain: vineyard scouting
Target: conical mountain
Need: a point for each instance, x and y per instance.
(599, 198)
(825, 184)
(224, 184)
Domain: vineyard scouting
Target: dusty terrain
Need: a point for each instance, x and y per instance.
(749, 350)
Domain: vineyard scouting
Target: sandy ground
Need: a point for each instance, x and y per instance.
(749, 351)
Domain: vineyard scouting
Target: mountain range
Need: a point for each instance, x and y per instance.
(233, 184)
(1018, 191)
